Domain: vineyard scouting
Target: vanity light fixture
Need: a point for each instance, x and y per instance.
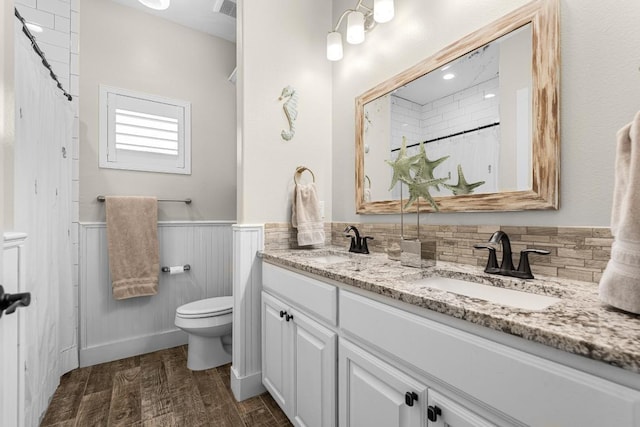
(360, 19)
(156, 4)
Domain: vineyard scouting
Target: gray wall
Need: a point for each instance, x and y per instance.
(600, 88)
(126, 48)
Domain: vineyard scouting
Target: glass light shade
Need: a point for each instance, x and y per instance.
(334, 46)
(355, 27)
(156, 4)
(383, 10)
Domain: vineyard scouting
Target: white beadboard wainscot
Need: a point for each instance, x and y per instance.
(111, 329)
(246, 367)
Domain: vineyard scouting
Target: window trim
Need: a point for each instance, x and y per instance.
(105, 148)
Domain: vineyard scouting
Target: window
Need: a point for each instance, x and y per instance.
(144, 132)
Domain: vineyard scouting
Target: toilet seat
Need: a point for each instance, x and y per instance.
(209, 307)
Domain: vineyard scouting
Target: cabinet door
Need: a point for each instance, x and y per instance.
(373, 393)
(447, 413)
(276, 351)
(315, 373)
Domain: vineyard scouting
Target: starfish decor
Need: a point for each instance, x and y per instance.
(401, 166)
(422, 178)
(424, 167)
(420, 188)
(463, 187)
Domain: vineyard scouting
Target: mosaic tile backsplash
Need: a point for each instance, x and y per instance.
(579, 253)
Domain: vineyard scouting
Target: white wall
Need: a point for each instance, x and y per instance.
(280, 43)
(599, 94)
(130, 49)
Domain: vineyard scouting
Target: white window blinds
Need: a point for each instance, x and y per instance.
(144, 132)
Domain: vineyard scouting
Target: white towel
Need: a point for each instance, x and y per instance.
(305, 215)
(620, 283)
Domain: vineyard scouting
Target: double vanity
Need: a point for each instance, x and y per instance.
(360, 340)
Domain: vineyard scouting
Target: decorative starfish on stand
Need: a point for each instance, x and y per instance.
(424, 167)
(462, 187)
(401, 166)
(420, 188)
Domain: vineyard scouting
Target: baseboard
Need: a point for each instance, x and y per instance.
(246, 387)
(131, 347)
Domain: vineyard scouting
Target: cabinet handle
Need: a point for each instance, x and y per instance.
(283, 313)
(433, 412)
(410, 397)
(288, 316)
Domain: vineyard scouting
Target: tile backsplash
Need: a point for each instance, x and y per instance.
(579, 253)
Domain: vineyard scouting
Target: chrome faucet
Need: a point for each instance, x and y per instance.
(506, 264)
(358, 244)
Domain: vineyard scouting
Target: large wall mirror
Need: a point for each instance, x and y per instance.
(482, 114)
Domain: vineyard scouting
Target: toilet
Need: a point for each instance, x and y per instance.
(208, 323)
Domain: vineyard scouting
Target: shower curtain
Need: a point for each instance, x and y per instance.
(42, 165)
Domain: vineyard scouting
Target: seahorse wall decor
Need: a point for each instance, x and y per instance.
(290, 108)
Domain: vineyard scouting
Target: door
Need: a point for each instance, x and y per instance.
(315, 364)
(9, 351)
(375, 394)
(276, 351)
(445, 412)
(11, 356)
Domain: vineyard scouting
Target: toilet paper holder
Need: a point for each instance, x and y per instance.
(185, 267)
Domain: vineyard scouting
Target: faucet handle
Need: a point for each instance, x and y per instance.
(492, 261)
(524, 269)
(365, 248)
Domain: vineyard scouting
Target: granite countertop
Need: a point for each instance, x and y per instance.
(579, 324)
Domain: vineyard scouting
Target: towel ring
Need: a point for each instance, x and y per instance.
(299, 171)
(366, 177)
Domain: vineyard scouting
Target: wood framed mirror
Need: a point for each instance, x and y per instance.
(495, 122)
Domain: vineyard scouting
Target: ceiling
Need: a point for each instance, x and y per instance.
(196, 14)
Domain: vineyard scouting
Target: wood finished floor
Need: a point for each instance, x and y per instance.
(156, 389)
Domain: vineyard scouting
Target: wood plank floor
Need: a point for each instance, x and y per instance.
(156, 389)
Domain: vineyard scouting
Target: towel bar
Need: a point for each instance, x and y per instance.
(299, 171)
(186, 201)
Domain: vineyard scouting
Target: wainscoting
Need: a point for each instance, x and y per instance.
(111, 329)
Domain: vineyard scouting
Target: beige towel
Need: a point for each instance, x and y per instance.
(620, 282)
(132, 236)
(305, 215)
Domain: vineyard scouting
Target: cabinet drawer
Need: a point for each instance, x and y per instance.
(531, 389)
(313, 296)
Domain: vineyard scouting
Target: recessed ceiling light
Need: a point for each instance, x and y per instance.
(445, 68)
(448, 76)
(156, 4)
(489, 95)
(34, 28)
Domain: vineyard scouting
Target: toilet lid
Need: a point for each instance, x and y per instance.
(209, 306)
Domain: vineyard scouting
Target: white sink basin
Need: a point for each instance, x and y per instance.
(502, 296)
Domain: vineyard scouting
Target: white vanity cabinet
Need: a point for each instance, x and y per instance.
(374, 393)
(331, 355)
(485, 381)
(299, 354)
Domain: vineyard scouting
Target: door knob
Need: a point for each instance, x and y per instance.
(9, 302)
